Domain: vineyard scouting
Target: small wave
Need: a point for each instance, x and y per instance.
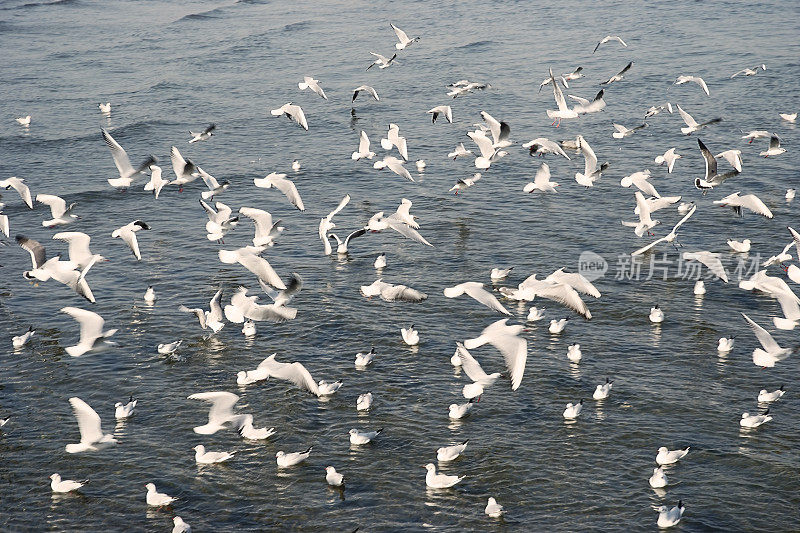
(476, 44)
(30, 5)
(203, 15)
(295, 26)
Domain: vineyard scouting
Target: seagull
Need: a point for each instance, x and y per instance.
(333, 478)
(104, 108)
(753, 421)
(476, 291)
(421, 165)
(363, 148)
(507, 340)
(541, 182)
(202, 457)
(363, 437)
(591, 172)
(286, 460)
(710, 260)
(441, 110)
(266, 231)
(669, 517)
(365, 88)
(220, 413)
(608, 38)
(209, 319)
(656, 315)
(740, 247)
(774, 149)
(378, 223)
(364, 402)
(62, 486)
(465, 183)
(364, 359)
(656, 109)
(180, 526)
(157, 499)
(563, 111)
(574, 354)
(342, 246)
(541, 146)
(618, 76)
(725, 344)
(310, 83)
(771, 352)
(246, 307)
(788, 117)
(402, 37)
(751, 202)
(755, 134)
(24, 121)
(639, 179)
(394, 139)
(750, 71)
(61, 213)
(691, 124)
(475, 372)
(601, 392)
(169, 348)
(535, 314)
(219, 222)
(459, 151)
(572, 411)
(669, 237)
(410, 335)
(382, 61)
(559, 290)
(669, 158)
(767, 397)
(658, 480)
(297, 374)
(92, 437)
(214, 187)
(392, 293)
(123, 411)
(711, 178)
(284, 185)
(622, 131)
(128, 234)
(22, 189)
(493, 509)
(92, 336)
(127, 174)
(557, 326)
(21, 340)
(326, 224)
(203, 135)
(500, 273)
(488, 153)
(790, 194)
(692, 79)
(439, 481)
(156, 182)
(451, 453)
(185, 170)
(79, 252)
(247, 431)
(668, 457)
(292, 112)
(585, 106)
(395, 165)
(781, 257)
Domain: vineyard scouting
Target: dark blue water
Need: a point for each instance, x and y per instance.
(168, 67)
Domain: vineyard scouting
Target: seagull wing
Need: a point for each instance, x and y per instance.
(687, 118)
(402, 293)
(88, 421)
(401, 35)
(576, 281)
(120, 157)
(754, 204)
(686, 217)
(565, 295)
(763, 336)
(408, 232)
(590, 163)
(78, 243)
(57, 204)
(477, 292)
(37, 251)
(261, 268)
(297, 374)
(643, 249)
(91, 324)
(363, 144)
(396, 166)
(484, 143)
(709, 260)
(515, 353)
(210, 181)
(471, 367)
(288, 188)
(221, 405)
(494, 125)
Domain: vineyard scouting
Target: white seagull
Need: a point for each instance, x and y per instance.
(92, 336)
(439, 481)
(774, 149)
(18, 185)
(61, 213)
(402, 37)
(284, 185)
(771, 352)
(608, 38)
(367, 89)
(669, 158)
(185, 170)
(92, 437)
(220, 413)
(204, 135)
(127, 174)
(480, 379)
(363, 148)
(310, 83)
(211, 319)
(507, 340)
(618, 76)
(751, 202)
(476, 291)
(693, 79)
(266, 231)
(62, 486)
(541, 181)
(292, 112)
(443, 110)
(691, 124)
(591, 172)
(382, 61)
(128, 234)
(669, 237)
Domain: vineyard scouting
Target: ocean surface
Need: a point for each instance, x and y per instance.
(167, 67)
